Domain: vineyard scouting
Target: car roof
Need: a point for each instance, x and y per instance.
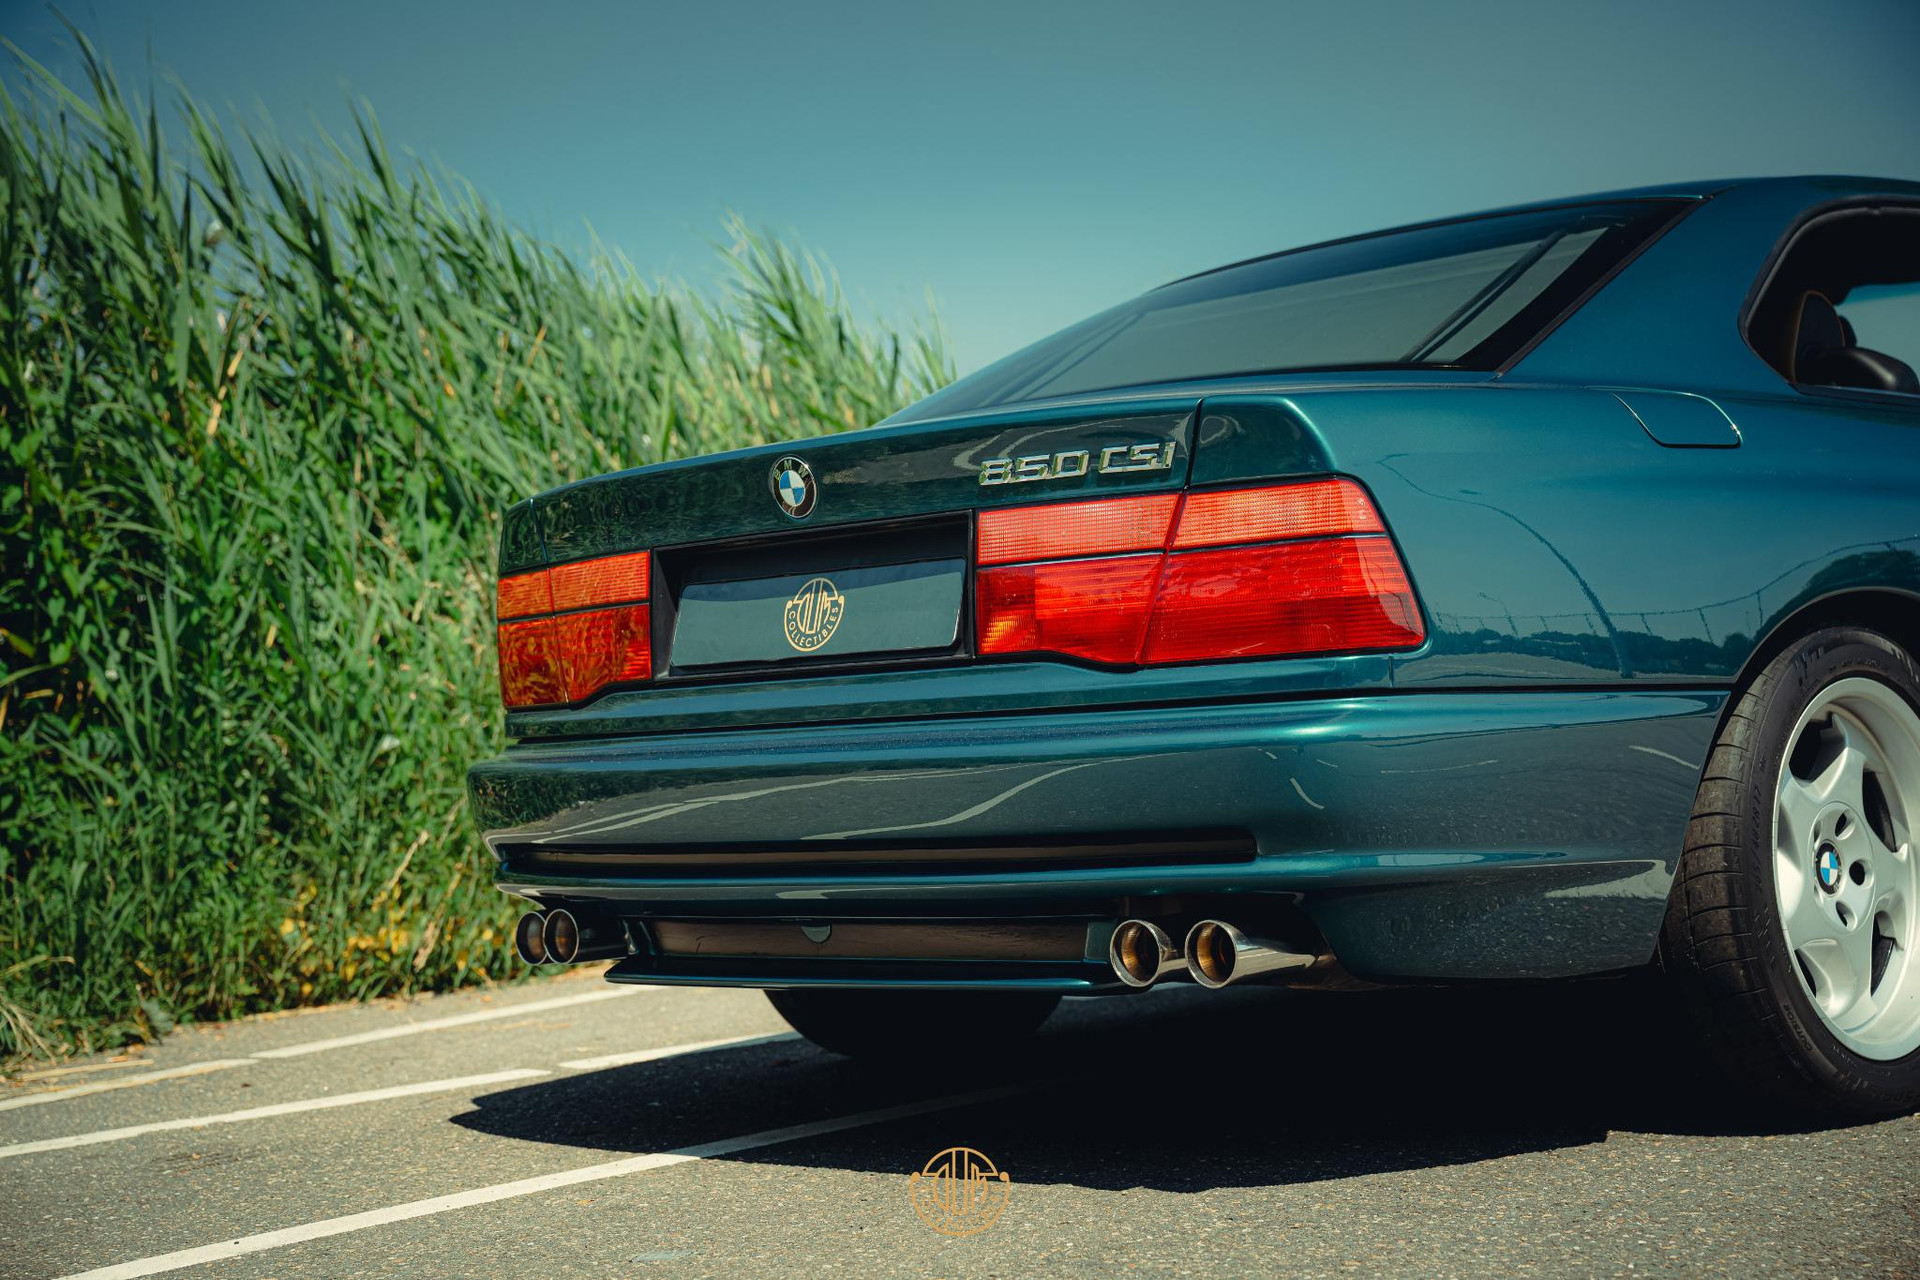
(1669, 317)
(1831, 185)
(1815, 187)
(1674, 315)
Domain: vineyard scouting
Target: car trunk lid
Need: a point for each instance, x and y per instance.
(882, 473)
(1110, 552)
(842, 551)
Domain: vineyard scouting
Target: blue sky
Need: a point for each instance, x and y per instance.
(1029, 163)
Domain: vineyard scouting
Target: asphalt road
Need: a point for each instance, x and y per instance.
(569, 1128)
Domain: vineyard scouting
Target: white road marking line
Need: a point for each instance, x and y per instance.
(124, 1082)
(263, 1113)
(672, 1051)
(60, 1093)
(527, 1187)
(54, 1073)
(442, 1024)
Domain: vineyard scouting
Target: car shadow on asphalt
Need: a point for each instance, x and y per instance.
(1188, 1090)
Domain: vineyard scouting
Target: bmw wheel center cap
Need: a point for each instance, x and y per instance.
(793, 487)
(1826, 868)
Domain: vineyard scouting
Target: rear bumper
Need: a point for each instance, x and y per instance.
(1426, 836)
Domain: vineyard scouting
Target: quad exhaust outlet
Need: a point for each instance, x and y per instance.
(561, 936)
(1141, 953)
(1216, 954)
(527, 941)
(1219, 954)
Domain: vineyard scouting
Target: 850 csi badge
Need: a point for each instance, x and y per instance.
(1070, 464)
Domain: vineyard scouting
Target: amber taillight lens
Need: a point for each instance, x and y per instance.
(568, 632)
(1282, 569)
(608, 580)
(1097, 527)
(1229, 517)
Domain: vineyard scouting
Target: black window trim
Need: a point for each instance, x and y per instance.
(1684, 205)
(1528, 319)
(1535, 318)
(1815, 215)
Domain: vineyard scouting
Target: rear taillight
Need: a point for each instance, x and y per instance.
(1330, 595)
(1098, 527)
(1090, 608)
(1284, 569)
(566, 633)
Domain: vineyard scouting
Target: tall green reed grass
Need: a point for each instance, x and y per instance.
(259, 412)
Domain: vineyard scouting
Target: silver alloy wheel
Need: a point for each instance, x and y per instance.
(1846, 875)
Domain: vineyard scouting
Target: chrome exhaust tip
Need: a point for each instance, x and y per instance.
(1218, 954)
(1141, 953)
(573, 939)
(528, 942)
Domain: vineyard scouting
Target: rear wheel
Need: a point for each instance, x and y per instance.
(901, 1024)
(1791, 930)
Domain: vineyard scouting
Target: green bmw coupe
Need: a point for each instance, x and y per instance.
(1520, 596)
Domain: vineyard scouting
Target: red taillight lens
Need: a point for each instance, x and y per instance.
(576, 650)
(1280, 569)
(530, 671)
(604, 646)
(1330, 595)
(1094, 609)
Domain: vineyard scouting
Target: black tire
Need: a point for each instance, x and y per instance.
(902, 1024)
(1722, 946)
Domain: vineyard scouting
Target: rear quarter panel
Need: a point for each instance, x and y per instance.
(1552, 540)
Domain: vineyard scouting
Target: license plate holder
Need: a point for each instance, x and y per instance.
(863, 611)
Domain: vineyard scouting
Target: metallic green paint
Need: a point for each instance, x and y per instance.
(1603, 538)
(863, 475)
(982, 688)
(1679, 420)
(1541, 827)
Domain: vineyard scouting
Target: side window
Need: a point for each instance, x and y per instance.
(1886, 317)
(1843, 306)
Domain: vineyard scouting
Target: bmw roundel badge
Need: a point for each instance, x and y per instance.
(793, 487)
(1826, 867)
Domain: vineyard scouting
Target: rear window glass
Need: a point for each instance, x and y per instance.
(1460, 295)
